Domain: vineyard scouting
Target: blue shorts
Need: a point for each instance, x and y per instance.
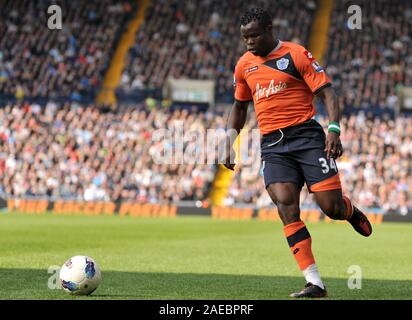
(296, 154)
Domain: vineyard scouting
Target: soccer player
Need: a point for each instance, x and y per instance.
(282, 78)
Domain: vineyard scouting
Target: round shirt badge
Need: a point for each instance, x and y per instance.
(282, 64)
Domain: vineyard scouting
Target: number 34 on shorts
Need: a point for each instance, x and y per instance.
(328, 165)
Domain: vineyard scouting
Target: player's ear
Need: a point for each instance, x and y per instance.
(268, 28)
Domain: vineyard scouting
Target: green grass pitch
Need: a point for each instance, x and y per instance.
(198, 258)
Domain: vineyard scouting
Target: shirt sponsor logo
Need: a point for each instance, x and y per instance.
(263, 92)
(252, 69)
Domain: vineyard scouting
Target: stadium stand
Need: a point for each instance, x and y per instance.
(79, 152)
(74, 150)
(38, 63)
(196, 40)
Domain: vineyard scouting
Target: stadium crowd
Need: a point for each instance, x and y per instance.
(201, 40)
(81, 152)
(195, 39)
(369, 65)
(77, 152)
(36, 62)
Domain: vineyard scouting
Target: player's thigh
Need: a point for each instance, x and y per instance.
(283, 181)
(281, 168)
(322, 178)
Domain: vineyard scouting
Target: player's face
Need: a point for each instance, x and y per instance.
(258, 40)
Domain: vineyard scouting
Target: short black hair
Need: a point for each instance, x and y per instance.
(259, 15)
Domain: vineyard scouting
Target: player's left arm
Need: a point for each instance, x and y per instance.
(333, 144)
(319, 83)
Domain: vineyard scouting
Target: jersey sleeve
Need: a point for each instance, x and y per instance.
(312, 72)
(242, 90)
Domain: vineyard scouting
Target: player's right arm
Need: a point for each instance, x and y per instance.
(237, 114)
(235, 123)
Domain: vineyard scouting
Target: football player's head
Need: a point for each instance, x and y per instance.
(256, 31)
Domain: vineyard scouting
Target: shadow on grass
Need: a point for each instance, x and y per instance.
(33, 284)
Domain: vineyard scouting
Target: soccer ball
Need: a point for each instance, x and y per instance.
(80, 275)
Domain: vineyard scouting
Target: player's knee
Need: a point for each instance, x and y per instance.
(288, 207)
(288, 212)
(334, 210)
(286, 198)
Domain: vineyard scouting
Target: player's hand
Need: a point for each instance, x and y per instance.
(230, 159)
(334, 147)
